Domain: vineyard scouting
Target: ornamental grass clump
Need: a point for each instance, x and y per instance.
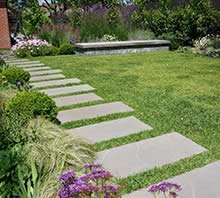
(167, 189)
(96, 182)
(54, 150)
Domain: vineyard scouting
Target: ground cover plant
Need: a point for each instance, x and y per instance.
(170, 91)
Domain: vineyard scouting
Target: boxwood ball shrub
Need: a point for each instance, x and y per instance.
(15, 74)
(32, 104)
(66, 49)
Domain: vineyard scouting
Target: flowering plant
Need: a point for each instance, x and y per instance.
(168, 189)
(202, 43)
(96, 182)
(33, 47)
(29, 44)
(107, 38)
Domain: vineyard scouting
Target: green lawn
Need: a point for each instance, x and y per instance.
(169, 91)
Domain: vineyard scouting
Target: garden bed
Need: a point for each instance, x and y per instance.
(121, 47)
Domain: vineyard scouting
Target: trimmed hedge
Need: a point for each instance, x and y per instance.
(32, 104)
(15, 75)
(67, 49)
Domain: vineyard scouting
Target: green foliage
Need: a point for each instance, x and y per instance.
(141, 35)
(10, 159)
(3, 80)
(56, 34)
(33, 17)
(94, 27)
(182, 24)
(32, 104)
(15, 75)
(2, 62)
(67, 49)
(113, 16)
(29, 186)
(75, 16)
(2, 65)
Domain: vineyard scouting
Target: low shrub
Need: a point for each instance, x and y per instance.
(15, 75)
(32, 104)
(175, 41)
(207, 46)
(107, 38)
(66, 49)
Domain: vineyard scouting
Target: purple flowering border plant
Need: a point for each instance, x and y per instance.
(167, 189)
(95, 182)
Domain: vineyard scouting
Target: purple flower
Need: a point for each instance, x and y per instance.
(67, 177)
(100, 173)
(92, 165)
(166, 187)
(94, 183)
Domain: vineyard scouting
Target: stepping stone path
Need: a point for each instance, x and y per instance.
(76, 99)
(130, 158)
(199, 183)
(92, 112)
(111, 129)
(47, 77)
(54, 82)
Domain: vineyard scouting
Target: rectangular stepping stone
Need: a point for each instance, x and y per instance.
(37, 68)
(110, 129)
(16, 60)
(47, 77)
(24, 62)
(67, 90)
(54, 82)
(199, 183)
(76, 99)
(92, 111)
(147, 154)
(52, 71)
(31, 65)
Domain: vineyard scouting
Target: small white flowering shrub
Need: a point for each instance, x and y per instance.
(33, 47)
(207, 46)
(107, 38)
(202, 43)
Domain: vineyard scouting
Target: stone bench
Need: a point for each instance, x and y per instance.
(121, 47)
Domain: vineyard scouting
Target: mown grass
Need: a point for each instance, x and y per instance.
(169, 91)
